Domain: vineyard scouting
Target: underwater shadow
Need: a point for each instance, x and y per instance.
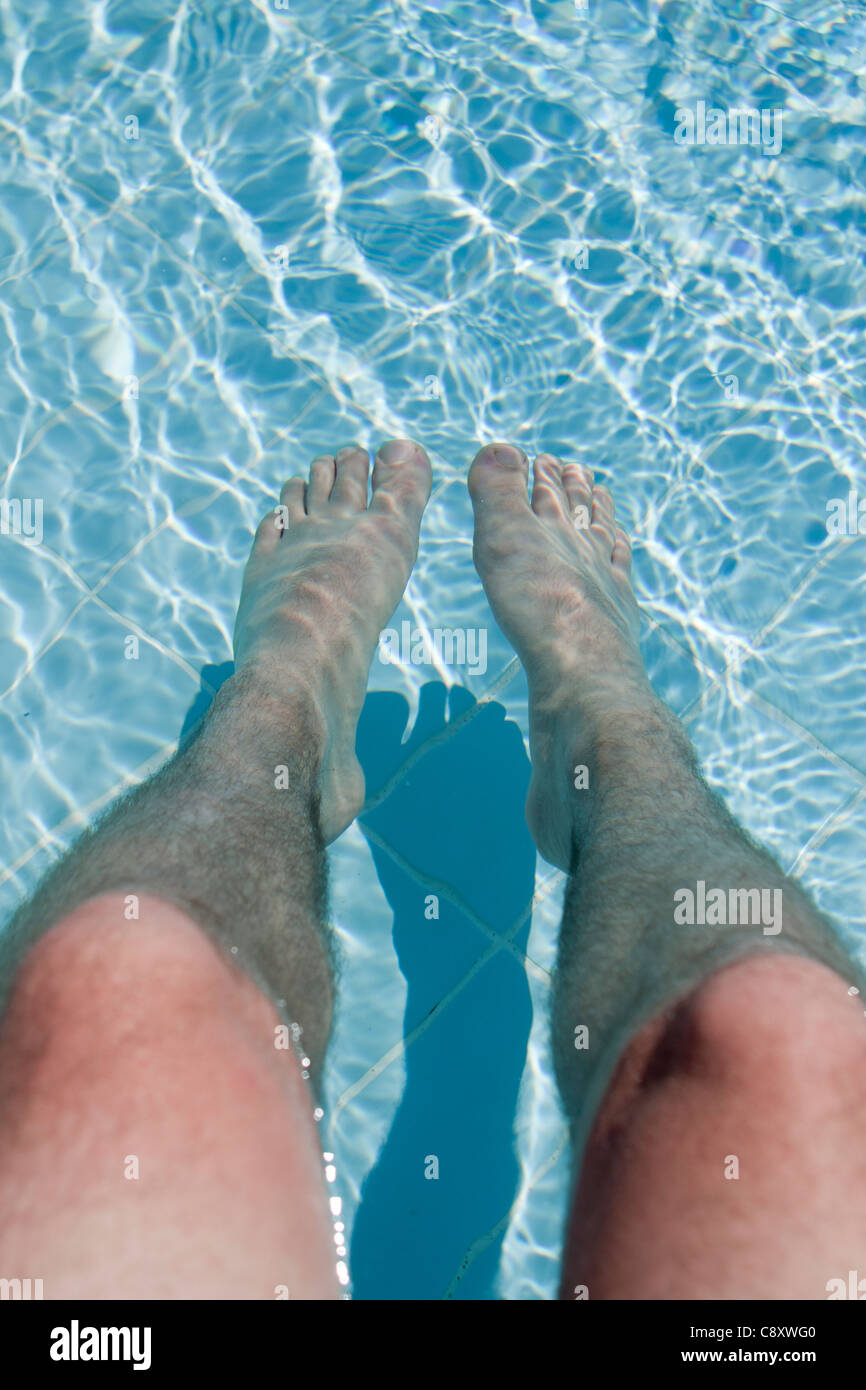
(448, 1173)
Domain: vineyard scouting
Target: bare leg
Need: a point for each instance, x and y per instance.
(678, 1047)
(155, 1138)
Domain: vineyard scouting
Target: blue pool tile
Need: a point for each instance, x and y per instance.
(812, 664)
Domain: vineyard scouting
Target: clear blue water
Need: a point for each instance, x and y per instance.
(489, 231)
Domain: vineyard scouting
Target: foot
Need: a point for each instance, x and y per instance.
(325, 574)
(556, 571)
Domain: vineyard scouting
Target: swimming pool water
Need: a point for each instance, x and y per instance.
(233, 235)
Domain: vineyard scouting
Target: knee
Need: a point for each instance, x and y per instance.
(774, 1025)
(98, 985)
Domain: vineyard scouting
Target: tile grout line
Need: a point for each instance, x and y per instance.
(83, 814)
(455, 898)
(405, 1041)
(804, 735)
(482, 1242)
(827, 828)
(755, 641)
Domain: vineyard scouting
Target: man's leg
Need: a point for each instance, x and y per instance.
(156, 1137)
(714, 1074)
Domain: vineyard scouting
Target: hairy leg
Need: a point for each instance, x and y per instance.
(153, 978)
(645, 999)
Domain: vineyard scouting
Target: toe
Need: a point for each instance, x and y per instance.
(268, 533)
(323, 471)
(548, 491)
(602, 515)
(292, 502)
(577, 479)
(498, 481)
(621, 558)
(350, 487)
(402, 479)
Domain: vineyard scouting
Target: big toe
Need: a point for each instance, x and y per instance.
(498, 481)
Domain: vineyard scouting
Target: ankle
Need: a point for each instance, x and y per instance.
(257, 719)
(622, 742)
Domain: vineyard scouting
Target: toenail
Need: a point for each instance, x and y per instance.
(400, 451)
(506, 455)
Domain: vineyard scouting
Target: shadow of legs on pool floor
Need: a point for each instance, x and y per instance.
(457, 817)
